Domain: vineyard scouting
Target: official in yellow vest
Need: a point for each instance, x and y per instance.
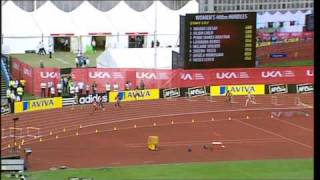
(11, 84)
(23, 83)
(20, 91)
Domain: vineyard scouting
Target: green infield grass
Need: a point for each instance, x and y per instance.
(59, 60)
(290, 63)
(295, 169)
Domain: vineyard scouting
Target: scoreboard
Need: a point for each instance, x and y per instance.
(223, 40)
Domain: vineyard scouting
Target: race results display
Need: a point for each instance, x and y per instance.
(224, 40)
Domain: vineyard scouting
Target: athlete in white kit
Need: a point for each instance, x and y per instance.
(250, 98)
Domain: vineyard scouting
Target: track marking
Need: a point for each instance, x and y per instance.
(206, 142)
(273, 133)
(293, 124)
(199, 112)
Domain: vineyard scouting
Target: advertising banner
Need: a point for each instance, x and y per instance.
(39, 104)
(304, 88)
(197, 91)
(171, 93)
(154, 78)
(278, 88)
(256, 89)
(135, 95)
(83, 99)
(44, 75)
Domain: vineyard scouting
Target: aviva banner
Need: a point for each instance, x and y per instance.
(39, 104)
(135, 95)
(237, 89)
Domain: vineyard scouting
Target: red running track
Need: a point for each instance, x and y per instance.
(80, 138)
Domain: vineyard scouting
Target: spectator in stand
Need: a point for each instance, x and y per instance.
(77, 61)
(50, 84)
(76, 89)
(130, 85)
(11, 85)
(52, 91)
(13, 99)
(8, 93)
(23, 83)
(65, 84)
(93, 44)
(43, 87)
(126, 86)
(50, 50)
(94, 88)
(108, 89)
(116, 87)
(141, 85)
(19, 92)
(15, 86)
(81, 86)
(59, 88)
(70, 84)
(41, 64)
(87, 89)
(72, 90)
(41, 51)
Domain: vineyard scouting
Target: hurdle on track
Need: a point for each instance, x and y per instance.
(18, 132)
(188, 97)
(210, 98)
(33, 132)
(274, 101)
(298, 102)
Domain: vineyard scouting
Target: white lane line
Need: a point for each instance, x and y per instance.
(275, 134)
(189, 113)
(293, 124)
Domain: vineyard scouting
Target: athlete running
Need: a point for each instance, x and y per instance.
(118, 99)
(101, 105)
(250, 98)
(229, 97)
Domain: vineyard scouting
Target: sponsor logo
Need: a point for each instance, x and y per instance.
(237, 89)
(232, 75)
(89, 99)
(51, 75)
(304, 88)
(278, 89)
(135, 95)
(195, 76)
(27, 72)
(310, 72)
(198, 91)
(276, 74)
(174, 92)
(138, 94)
(103, 75)
(43, 103)
(147, 75)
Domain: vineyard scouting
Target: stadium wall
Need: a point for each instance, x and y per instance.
(160, 79)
